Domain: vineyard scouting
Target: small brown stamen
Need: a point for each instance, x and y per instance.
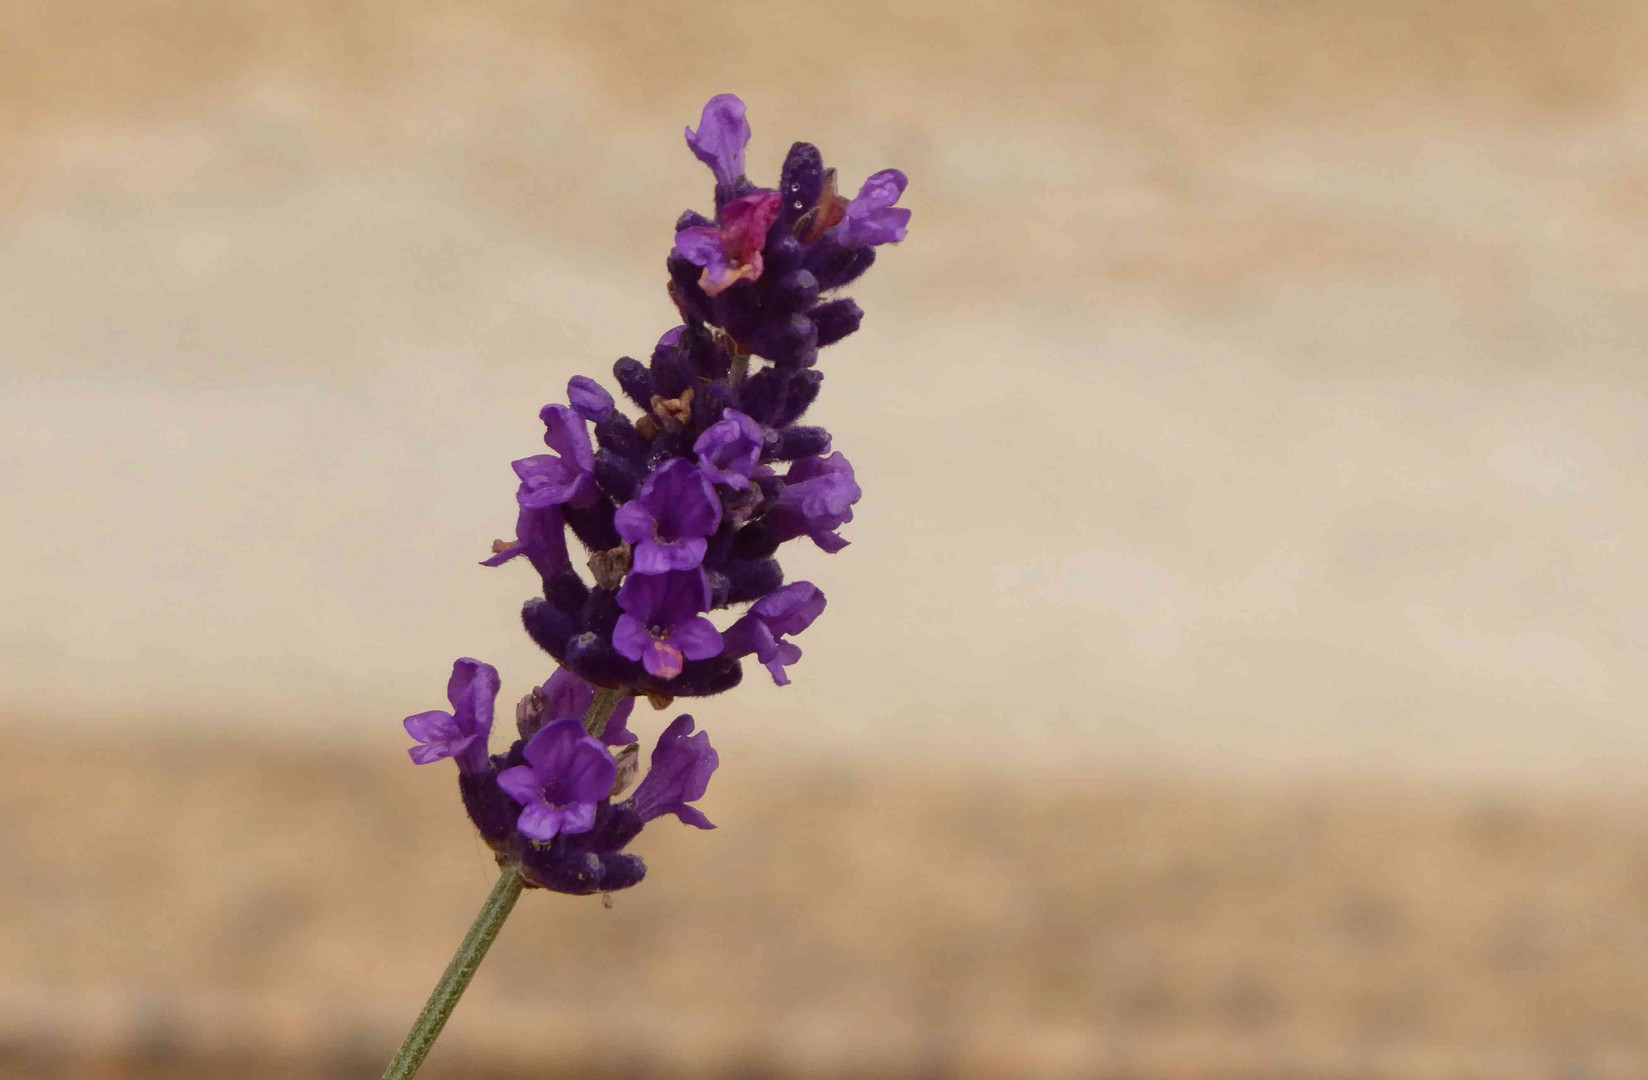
(659, 701)
(610, 566)
(674, 412)
(501, 546)
(647, 427)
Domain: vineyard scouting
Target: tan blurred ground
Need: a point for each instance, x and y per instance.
(1237, 670)
(212, 909)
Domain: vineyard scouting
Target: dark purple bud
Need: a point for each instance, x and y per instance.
(586, 863)
(698, 678)
(636, 382)
(793, 291)
(620, 478)
(493, 812)
(791, 341)
(593, 525)
(462, 733)
(783, 254)
(801, 392)
(671, 372)
(801, 181)
(550, 627)
(799, 442)
(754, 541)
(618, 436)
(591, 656)
(836, 320)
(682, 764)
(750, 579)
(763, 394)
(835, 266)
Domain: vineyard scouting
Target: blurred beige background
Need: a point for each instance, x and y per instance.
(1251, 432)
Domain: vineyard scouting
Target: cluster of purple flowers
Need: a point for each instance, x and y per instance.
(682, 510)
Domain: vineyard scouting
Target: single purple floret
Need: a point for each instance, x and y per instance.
(566, 774)
(540, 535)
(729, 449)
(785, 611)
(719, 142)
(818, 498)
(567, 697)
(669, 521)
(682, 764)
(871, 218)
(662, 625)
(462, 733)
(589, 398)
(730, 251)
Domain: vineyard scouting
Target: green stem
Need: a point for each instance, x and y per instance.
(444, 998)
(600, 711)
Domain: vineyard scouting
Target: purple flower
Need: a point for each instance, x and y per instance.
(871, 218)
(729, 449)
(730, 252)
(566, 774)
(549, 482)
(788, 610)
(462, 733)
(719, 142)
(817, 499)
(588, 397)
(670, 520)
(681, 767)
(567, 697)
(540, 535)
(662, 626)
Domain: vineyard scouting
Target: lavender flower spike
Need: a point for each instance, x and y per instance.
(788, 610)
(723, 133)
(682, 764)
(729, 449)
(462, 733)
(871, 217)
(670, 520)
(662, 626)
(566, 774)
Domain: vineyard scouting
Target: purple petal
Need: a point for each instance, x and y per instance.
(681, 501)
(578, 818)
(521, 783)
(617, 731)
(428, 755)
(589, 398)
(630, 637)
(433, 727)
(698, 639)
(550, 752)
(566, 433)
(723, 133)
(662, 659)
(644, 596)
(682, 764)
(541, 822)
(870, 218)
(701, 246)
(785, 654)
(792, 608)
(634, 523)
(589, 775)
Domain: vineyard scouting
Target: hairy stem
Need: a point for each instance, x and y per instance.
(600, 711)
(444, 998)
